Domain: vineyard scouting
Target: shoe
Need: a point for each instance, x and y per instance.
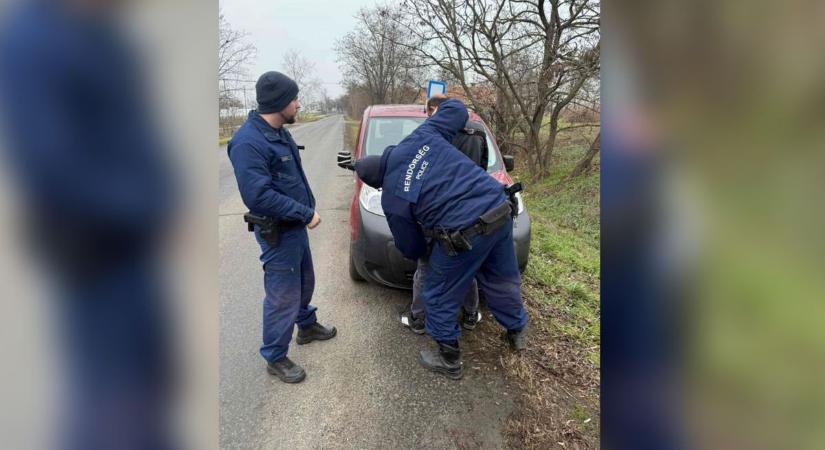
(315, 332)
(286, 370)
(446, 360)
(517, 339)
(470, 321)
(414, 324)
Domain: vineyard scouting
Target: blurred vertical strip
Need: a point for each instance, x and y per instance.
(712, 255)
(107, 109)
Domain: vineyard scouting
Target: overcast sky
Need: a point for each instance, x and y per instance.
(308, 26)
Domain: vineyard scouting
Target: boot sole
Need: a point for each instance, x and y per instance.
(448, 374)
(285, 379)
(306, 340)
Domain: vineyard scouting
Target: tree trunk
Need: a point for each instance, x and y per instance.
(584, 165)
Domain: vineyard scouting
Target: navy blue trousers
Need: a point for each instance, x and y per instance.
(289, 280)
(492, 261)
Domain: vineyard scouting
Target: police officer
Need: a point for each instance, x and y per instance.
(274, 187)
(430, 188)
(472, 142)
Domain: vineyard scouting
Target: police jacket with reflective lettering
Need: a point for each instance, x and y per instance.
(428, 184)
(269, 173)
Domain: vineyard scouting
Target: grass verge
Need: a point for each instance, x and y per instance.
(558, 375)
(350, 133)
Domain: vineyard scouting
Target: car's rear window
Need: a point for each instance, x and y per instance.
(385, 131)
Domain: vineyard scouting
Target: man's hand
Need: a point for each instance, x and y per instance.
(316, 219)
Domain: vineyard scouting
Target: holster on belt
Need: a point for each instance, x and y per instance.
(270, 229)
(443, 236)
(454, 242)
(511, 192)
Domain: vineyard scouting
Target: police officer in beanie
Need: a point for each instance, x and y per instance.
(432, 189)
(273, 186)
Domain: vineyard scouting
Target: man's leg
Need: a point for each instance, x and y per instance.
(282, 303)
(500, 281)
(471, 316)
(308, 327)
(417, 305)
(444, 290)
(414, 318)
(306, 315)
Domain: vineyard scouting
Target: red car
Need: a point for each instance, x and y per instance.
(373, 255)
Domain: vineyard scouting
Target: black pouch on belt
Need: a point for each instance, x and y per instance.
(495, 218)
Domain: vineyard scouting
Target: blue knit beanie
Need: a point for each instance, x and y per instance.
(274, 91)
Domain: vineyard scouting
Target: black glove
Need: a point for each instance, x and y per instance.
(345, 161)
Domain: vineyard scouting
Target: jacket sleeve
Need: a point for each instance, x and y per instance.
(408, 236)
(255, 184)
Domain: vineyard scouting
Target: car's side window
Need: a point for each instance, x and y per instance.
(492, 154)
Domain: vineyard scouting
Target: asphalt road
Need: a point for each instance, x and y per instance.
(364, 388)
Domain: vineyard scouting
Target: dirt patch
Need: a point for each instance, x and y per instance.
(557, 385)
(464, 439)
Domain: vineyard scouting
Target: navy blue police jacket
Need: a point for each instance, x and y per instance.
(429, 185)
(268, 169)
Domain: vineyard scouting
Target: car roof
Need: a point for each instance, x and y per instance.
(405, 111)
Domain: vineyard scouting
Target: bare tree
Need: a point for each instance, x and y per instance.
(234, 52)
(302, 70)
(234, 55)
(297, 67)
(379, 56)
(227, 101)
(520, 63)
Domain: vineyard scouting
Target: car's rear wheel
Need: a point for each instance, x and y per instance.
(353, 271)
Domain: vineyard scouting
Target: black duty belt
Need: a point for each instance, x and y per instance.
(459, 241)
(270, 228)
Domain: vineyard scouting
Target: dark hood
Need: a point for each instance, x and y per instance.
(451, 116)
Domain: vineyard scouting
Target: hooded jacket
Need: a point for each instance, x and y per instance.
(428, 184)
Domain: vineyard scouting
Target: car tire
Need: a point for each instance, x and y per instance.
(353, 271)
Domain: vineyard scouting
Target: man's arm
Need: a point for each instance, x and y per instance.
(408, 236)
(255, 184)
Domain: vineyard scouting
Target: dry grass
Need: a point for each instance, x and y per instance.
(350, 133)
(558, 374)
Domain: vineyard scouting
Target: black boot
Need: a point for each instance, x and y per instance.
(517, 339)
(315, 332)
(286, 370)
(446, 361)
